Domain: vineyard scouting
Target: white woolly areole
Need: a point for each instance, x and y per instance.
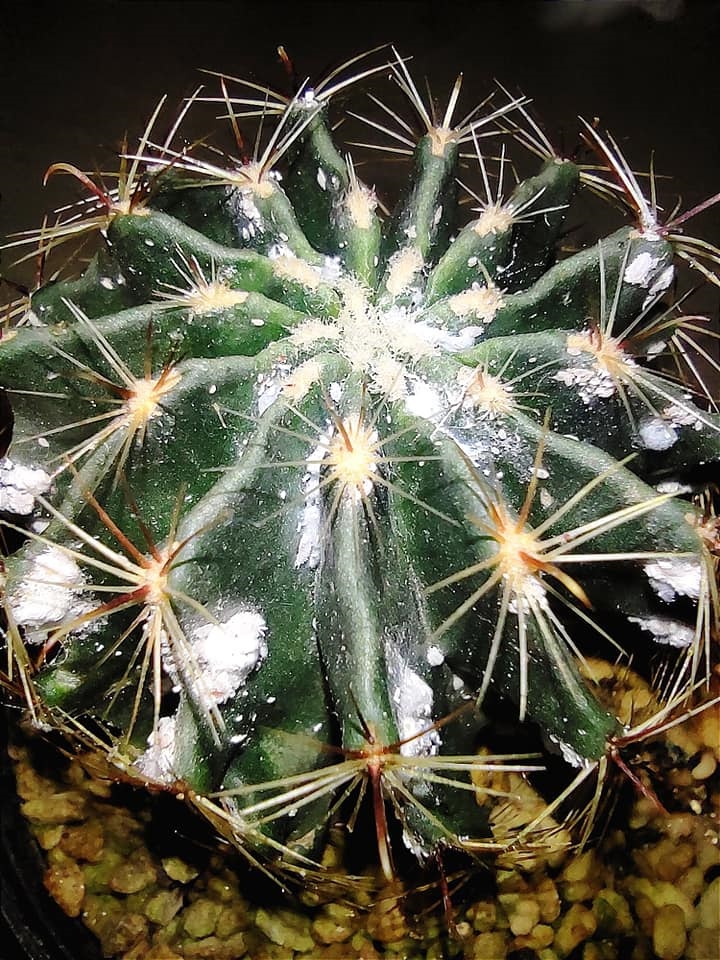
(675, 576)
(311, 331)
(399, 334)
(640, 270)
(403, 268)
(479, 302)
(390, 377)
(19, 486)
(289, 267)
(48, 593)
(158, 761)
(667, 631)
(227, 653)
(302, 378)
(376, 340)
(484, 393)
(360, 202)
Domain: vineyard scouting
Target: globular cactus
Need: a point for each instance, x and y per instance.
(307, 500)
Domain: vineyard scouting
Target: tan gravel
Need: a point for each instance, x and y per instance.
(649, 891)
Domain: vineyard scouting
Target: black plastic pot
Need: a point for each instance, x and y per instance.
(32, 925)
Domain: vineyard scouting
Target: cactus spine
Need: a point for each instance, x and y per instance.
(309, 494)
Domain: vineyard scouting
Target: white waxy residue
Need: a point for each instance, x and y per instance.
(640, 270)
(463, 339)
(331, 269)
(569, 754)
(674, 487)
(158, 761)
(19, 486)
(48, 594)
(661, 432)
(671, 577)
(656, 434)
(591, 383)
(528, 591)
(412, 701)
(666, 630)
(435, 656)
(270, 386)
(662, 282)
(309, 525)
(546, 498)
(680, 416)
(228, 652)
(247, 215)
(424, 401)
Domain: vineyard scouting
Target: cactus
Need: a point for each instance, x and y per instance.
(304, 501)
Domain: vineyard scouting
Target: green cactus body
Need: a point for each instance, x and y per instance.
(318, 482)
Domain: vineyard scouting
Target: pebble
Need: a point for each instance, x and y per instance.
(213, 948)
(130, 930)
(232, 919)
(84, 842)
(576, 925)
(178, 870)
(669, 934)
(524, 917)
(134, 874)
(706, 766)
(285, 928)
(488, 945)
(613, 914)
(200, 917)
(66, 885)
(709, 907)
(163, 906)
(335, 923)
(386, 921)
(56, 808)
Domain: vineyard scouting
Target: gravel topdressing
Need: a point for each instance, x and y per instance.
(649, 889)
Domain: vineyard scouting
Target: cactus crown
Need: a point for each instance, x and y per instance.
(313, 498)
